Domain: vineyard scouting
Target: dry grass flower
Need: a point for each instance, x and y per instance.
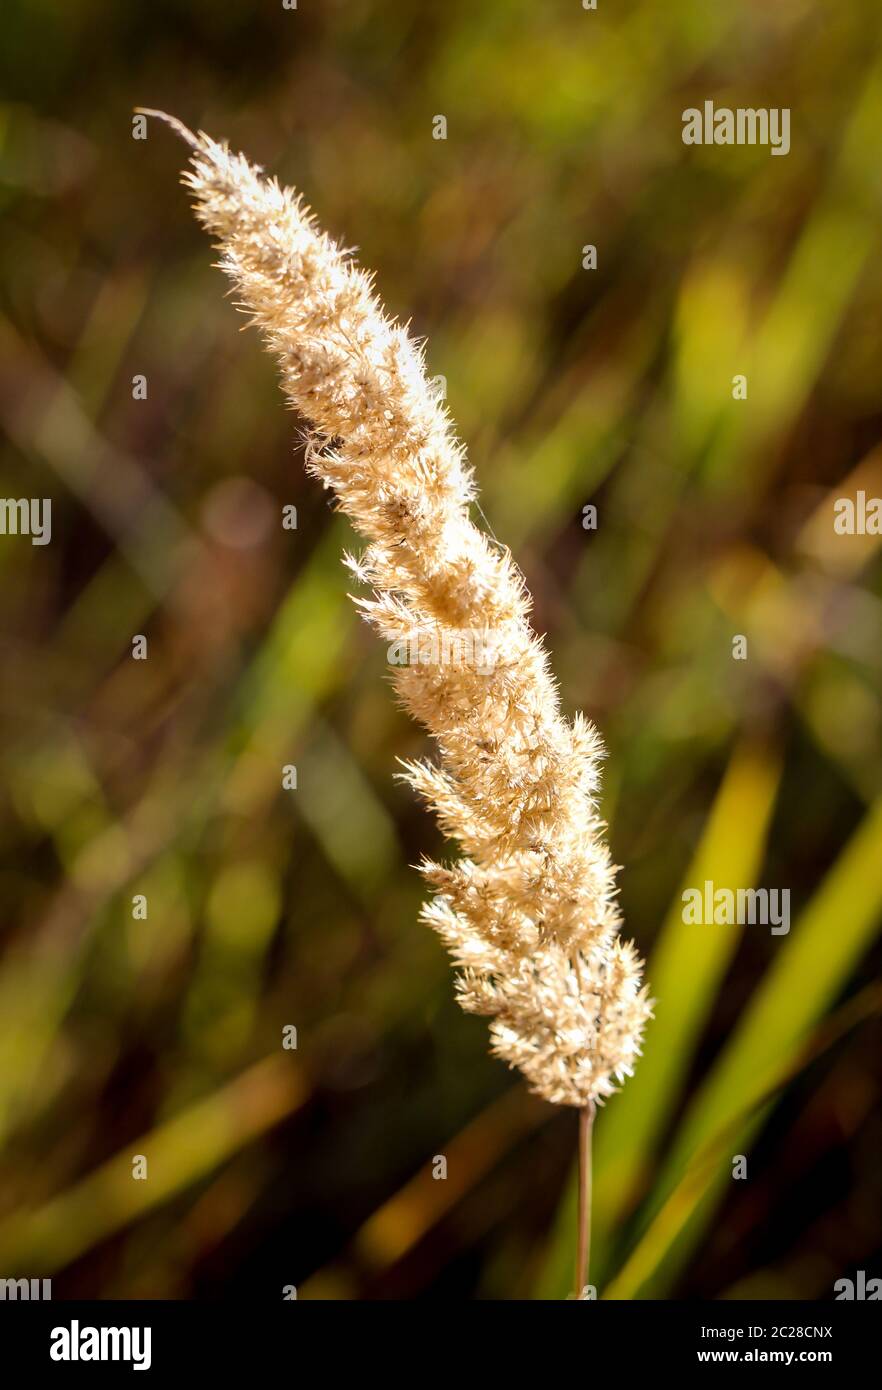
(528, 911)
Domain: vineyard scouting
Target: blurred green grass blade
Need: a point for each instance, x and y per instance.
(684, 973)
(302, 658)
(692, 1199)
(179, 1153)
(345, 814)
(814, 965)
(541, 484)
(710, 330)
(792, 344)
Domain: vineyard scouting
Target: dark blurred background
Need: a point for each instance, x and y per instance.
(613, 387)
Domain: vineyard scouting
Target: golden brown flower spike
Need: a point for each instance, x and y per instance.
(528, 912)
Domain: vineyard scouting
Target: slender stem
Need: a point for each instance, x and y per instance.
(583, 1256)
(177, 126)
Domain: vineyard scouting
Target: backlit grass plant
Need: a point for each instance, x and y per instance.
(528, 909)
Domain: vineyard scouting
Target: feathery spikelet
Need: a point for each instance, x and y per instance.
(528, 913)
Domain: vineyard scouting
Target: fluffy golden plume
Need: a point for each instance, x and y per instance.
(528, 911)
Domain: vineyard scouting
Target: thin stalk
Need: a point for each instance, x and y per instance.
(583, 1254)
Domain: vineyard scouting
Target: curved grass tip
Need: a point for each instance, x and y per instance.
(177, 126)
